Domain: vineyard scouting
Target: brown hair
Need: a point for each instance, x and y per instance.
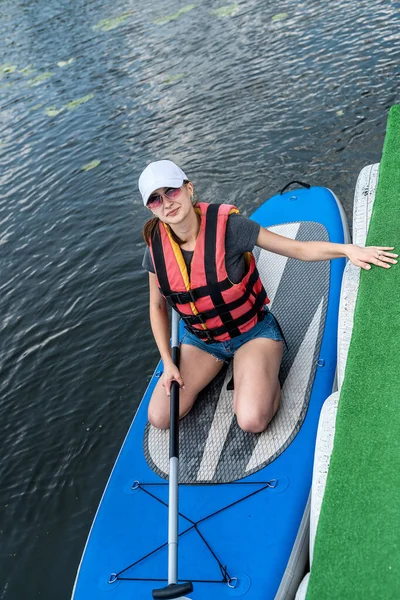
(150, 227)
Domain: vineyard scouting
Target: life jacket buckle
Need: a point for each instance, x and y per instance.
(208, 338)
(191, 319)
(183, 297)
(203, 334)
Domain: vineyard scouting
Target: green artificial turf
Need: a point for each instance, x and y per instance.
(357, 548)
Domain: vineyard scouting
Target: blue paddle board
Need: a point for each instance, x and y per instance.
(243, 498)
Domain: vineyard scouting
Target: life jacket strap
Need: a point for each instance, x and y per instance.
(196, 293)
(222, 309)
(209, 335)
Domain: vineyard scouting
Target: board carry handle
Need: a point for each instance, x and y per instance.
(174, 590)
(306, 185)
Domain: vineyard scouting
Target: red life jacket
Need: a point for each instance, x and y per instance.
(212, 307)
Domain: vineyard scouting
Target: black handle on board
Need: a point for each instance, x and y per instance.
(306, 185)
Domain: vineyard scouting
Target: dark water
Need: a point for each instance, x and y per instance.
(243, 103)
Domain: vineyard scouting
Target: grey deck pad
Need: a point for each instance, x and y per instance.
(213, 448)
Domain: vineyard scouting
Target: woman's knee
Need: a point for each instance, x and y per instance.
(157, 418)
(254, 423)
(256, 419)
(158, 412)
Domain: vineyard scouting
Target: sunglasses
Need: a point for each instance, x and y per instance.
(155, 200)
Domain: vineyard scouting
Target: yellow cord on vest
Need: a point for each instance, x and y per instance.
(182, 267)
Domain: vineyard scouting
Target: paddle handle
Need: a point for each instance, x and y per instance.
(174, 409)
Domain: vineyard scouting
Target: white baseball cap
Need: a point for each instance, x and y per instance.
(159, 174)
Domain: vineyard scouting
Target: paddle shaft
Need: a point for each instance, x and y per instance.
(173, 460)
(173, 589)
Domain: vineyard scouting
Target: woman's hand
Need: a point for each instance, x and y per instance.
(171, 373)
(376, 255)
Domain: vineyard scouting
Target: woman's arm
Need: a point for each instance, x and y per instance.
(314, 251)
(160, 327)
(159, 320)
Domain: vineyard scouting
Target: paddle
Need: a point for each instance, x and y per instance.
(173, 589)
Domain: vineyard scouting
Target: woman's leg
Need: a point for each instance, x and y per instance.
(197, 369)
(257, 390)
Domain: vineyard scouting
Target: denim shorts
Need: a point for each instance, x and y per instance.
(266, 328)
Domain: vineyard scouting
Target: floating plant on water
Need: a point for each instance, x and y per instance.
(37, 106)
(40, 78)
(108, 24)
(279, 17)
(174, 78)
(75, 103)
(65, 63)
(92, 165)
(53, 111)
(226, 11)
(168, 18)
(7, 68)
(27, 71)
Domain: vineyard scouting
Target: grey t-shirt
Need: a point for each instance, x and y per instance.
(241, 237)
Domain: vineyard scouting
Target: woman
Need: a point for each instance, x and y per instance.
(199, 259)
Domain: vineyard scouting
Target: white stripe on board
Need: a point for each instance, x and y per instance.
(158, 445)
(218, 433)
(292, 400)
(271, 266)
